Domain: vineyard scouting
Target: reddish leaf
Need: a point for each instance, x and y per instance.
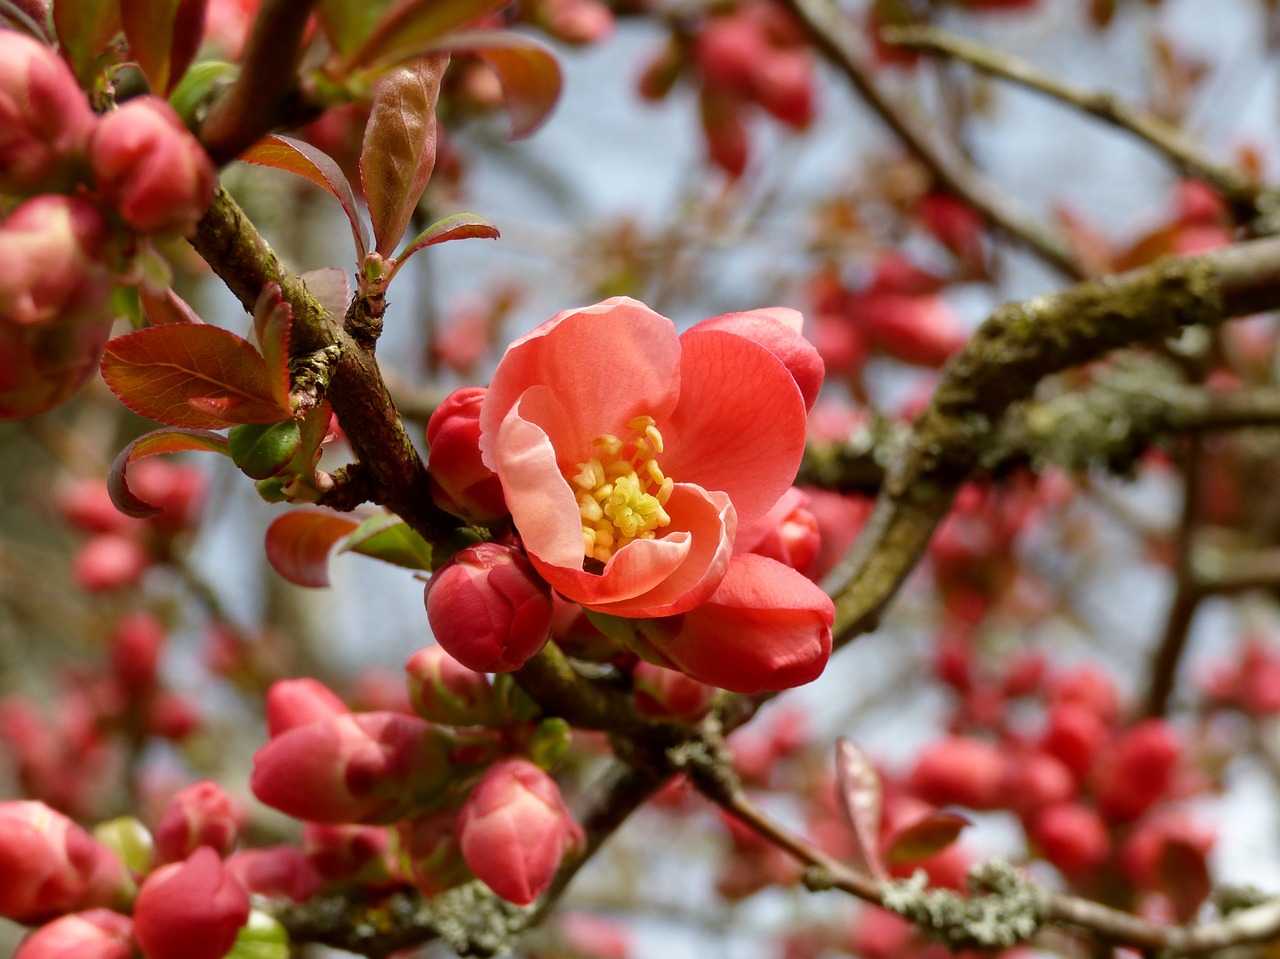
(298, 544)
(159, 371)
(304, 160)
(412, 28)
(456, 226)
(859, 793)
(924, 837)
(85, 29)
(163, 36)
(1183, 875)
(163, 309)
(272, 323)
(152, 444)
(331, 287)
(528, 72)
(399, 150)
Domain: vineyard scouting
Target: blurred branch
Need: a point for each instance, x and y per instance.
(263, 92)
(836, 37)
(1005, 908)
(1247, 199)
(1011, 352)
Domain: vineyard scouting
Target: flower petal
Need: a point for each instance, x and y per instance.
(541, 502)
(740, 423)
(777, 329)
(766, 627)
(607, 363)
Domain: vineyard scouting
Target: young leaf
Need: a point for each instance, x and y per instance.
(399, 150)
(411, 28)
(456, 226)
(165, 308)
(85, 29)
(264, 451)
(346, 23)
(390, 539)
(159, 371)
(272, 324)
(1183, 876)
(860, 795)
(331, 287)
(152, 444)
(528, 72)
(304, 160)
(163, 36)
(298, 544)
(924, 837)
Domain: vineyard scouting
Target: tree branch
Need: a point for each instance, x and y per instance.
(836, 38)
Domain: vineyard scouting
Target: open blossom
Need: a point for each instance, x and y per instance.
(629, 456)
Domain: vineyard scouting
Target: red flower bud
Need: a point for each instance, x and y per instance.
(298, 702)
(489, 609)
(1071, 837)
(50, 864)
(178, 489)
(150, 167)
(110, 561)
(346, 852)
(666, 694)
(95, 934)
(460, 482)
(190, 910)
(787, 533)
(1138, 771)
(444, 691)
(959, 771)
(515, 830)
(355, 767)
(45, 120)
(136, 643)
(200, 815)
(278, 872)
(430, 843)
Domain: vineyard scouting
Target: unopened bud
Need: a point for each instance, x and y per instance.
(489, 609)
(95, 934)
(460, 482)
(202, 814)
(190, 910)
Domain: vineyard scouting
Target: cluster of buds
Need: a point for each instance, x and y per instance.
(398, 799)
(85, 184)
(753, 56)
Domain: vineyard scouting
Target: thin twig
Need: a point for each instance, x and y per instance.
(1242, 194)
(835, 36)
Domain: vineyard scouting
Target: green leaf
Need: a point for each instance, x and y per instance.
(85, 29)
(153, 444)
(192, 376)
(199, 88)
(348, 22)
(528, 71)
(264, 451)
(163, 36)
(456, 226)
(298, 544)
(409, 29)
(390, 539)
(262, 937)
(399, 150)
(304, 160)
(130, 840)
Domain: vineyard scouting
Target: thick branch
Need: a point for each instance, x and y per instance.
(1242, 194)
(1011, 352)
(836, 37)
(391, 466)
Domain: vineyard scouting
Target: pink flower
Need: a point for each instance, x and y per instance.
(95, 934)
(147, 164)
(460, 482)
(488, 608)
(52, 248)
(202, 814)
(50, 864)
(298, 702)
(45, 119)
(628, 455)
(190, 910)
(514, 830)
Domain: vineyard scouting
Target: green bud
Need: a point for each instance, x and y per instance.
(264, 451)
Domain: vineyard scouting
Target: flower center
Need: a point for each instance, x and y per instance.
(621, 491)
